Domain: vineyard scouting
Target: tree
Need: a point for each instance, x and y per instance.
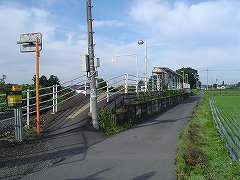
(53, 80)
(34, 79)
(43, 81)
(193, 77)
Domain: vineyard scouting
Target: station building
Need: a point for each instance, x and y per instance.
(168, 78)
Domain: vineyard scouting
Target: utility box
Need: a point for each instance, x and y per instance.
(96, 62)
(85, 65)
(14, 97)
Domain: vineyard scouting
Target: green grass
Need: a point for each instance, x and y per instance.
(195, 91)
(201, 151)
(230, 104)
(224, 92)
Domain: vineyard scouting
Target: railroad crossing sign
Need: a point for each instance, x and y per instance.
(28, 42)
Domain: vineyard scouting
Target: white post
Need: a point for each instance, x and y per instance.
(177, 82)
(136, 88)
(161, 84)
(158, 83)
(152, 84)
(126, 83)
(107, 93)
(56, 100)
(53, 99)
(28, 111)
(85, 86)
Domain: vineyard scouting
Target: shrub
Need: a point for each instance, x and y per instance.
(107, 122)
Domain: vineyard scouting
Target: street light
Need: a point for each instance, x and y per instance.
(141, 42)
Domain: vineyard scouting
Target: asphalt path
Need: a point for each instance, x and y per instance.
(147, 151)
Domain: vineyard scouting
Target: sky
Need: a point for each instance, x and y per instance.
(180, 33)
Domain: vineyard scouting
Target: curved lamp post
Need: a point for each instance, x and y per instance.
(141, 42)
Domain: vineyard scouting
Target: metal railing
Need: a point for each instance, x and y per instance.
(54, 96)
(50, 98)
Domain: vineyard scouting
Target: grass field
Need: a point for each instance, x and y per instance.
(226, 112)
(202, 152)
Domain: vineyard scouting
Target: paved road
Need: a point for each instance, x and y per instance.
(145, 152)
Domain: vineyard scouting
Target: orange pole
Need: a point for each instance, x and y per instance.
(37, 89)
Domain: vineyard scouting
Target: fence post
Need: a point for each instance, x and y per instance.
(107, 92)
(152, 84)
(158, 83)
(126, 82)
(53, 105)
(28, 111)
(85, 86)
(18, 124)
(56, 98)
(136, 88)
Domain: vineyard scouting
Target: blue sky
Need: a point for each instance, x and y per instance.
(183, 33)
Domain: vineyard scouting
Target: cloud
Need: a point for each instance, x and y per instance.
(108, 23)
(202, 34)
(60, 55)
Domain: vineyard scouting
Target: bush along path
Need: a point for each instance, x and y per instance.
(202, 153)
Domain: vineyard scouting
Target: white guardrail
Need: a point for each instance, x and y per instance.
(52, 97)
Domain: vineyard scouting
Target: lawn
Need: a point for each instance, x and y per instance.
(202, 153)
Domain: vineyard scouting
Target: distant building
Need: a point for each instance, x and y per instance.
(169, 79)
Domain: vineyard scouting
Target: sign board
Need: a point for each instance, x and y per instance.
(28, 42)
(14, 97)
(16, 88)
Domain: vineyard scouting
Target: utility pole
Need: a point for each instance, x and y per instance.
(92, 76)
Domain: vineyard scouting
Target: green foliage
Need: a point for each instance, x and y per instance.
(107, 122)
(29, 133)
(195, 91)
(44, 82)
(193, 76)
(53, 80)
(201, 151)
